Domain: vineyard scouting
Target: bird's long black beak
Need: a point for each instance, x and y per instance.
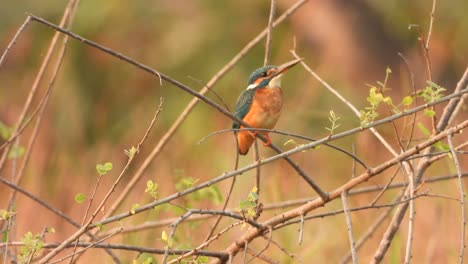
(286, 66)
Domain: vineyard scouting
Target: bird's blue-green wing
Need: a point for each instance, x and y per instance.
(244, 102)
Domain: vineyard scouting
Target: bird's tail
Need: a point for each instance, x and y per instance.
(245, 140)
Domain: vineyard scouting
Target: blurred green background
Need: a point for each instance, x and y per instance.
(101, 105)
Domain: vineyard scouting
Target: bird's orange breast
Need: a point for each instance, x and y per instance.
(265, 109)
(263, 113)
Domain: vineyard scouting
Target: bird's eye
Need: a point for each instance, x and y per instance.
(264, 74)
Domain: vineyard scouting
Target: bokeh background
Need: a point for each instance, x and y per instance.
(101, 106)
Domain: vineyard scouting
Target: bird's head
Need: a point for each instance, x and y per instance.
(269, 76)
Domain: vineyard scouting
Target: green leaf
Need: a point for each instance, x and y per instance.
(407, 100)
(388, 70)
(147, 260)
(101, 227)
(429, 112)
(290, 141)
(5, 131)
(151, 188)
(134, 208)
(202, 260)
(246, 204)
(423, 129)
(16, 152)
(104, 169)
(5, 215)
(186, 183)
(131, 152)
(164, 236)
(440, 146)
(80, 198)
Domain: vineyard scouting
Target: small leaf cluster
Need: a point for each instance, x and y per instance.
(80, 198)
(370, 113)
(16, 152)
(152, 189)
(144, 258)
(5, 131)
(5, 214)
(211, 193)
(438, 145)
(103, 169)
(376, 97)
(32, 245)
(247, 206)
(333, 122)
(431, 93)
(131, 152)
(168, 241)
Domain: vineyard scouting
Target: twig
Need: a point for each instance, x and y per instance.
(197, 249)
(11, 206)
(301, 230)
(270, 32)
(413, 86)
(93, 244)
(412, 212)
(261, 257)
(452, 108)
(462, 198)
(429, 33)
(150, 250)
(266, 246)
(370, 231)
(355, 209)
(14, 39)
(171, 235)
(386, 186)
(289, 135)
(291, 255)
(90, 202)
(349, 226)
(246, 248)
(257, 170)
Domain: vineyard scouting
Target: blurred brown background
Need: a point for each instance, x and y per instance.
(101, 106)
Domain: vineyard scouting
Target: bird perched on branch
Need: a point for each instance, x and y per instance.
(260, 104)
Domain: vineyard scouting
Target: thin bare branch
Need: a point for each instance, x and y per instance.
(203, 245)
(14, 39)
(462, 198)
(349, 225)
(370, 231)
(150, 250)
(354, 157)
(270, 32)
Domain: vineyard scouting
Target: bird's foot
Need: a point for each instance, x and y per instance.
(268, 143)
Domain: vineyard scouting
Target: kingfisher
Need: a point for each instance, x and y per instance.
(260, 104)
